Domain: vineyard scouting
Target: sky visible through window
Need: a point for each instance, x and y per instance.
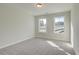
(59, 19)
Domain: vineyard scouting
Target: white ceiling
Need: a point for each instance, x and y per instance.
(49, 8)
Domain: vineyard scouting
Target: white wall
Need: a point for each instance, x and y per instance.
(50, 23)
(16, 24)
(75, 27)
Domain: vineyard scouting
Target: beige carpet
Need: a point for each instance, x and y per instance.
(36, 46)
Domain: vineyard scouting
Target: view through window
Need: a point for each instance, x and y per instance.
(59, 24)
(42, 25)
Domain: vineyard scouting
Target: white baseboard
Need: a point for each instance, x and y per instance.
(12, 43)
(51, 39)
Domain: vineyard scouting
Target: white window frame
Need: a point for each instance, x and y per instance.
(39, 28)
(54, 24)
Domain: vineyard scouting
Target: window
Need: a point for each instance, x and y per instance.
(59, 24)
(42, 25)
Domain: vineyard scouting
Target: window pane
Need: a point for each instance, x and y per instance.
(42, 25)
(59, 24)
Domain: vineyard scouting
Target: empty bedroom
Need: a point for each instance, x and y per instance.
(39, 28)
